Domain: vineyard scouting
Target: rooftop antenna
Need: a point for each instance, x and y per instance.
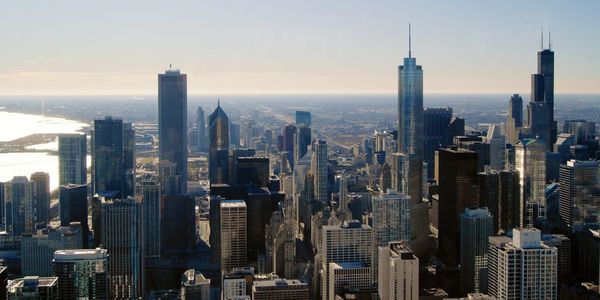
(542, 40)
(409, 42)
(218, 101)
(170, 67)
(549, 40)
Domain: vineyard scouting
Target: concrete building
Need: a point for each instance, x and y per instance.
(279, 289)
(398, 272)
(33, 288)
(348, 276)
(233, 229)
(580, 194)
(149, 191)
(194, 286)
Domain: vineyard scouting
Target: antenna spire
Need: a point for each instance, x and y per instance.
(218, 101)
(549, 40)
(409, 42)
(542, 40)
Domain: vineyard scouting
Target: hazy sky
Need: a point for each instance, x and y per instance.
(280, 46)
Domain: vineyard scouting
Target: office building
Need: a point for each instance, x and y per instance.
(476, 226)
(194, 286)
(489, 195)
(530, 162)
(19, 206)
(201, 139)
(511, 210)
(398, 272)
(303, 140)
(349, 242)
(233, 229)
(237, 284)
(540, 110)
(109, 172)
(319, 169)
(129, 162)
(522, 267)
(456, 175)
(172, 123)
(72, 165)
(37, 250)
(580, 194)
(149, 191)
(218, 132)
(82, 273)
(40, 197)
(436, 121)
(497, 145)
(33, 287)
(73, 207)
(279, 289)
(289, 140)
(348, 276)
(122, 228)
(303, 118)
(514, 119)
(582, 131)
(178, 224)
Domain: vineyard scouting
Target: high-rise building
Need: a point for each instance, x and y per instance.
(122, 237)
(37, 250)
(522, 267)
(319, 169)
(348, 276)
(237, 284)
(398, 272)
(19, 205)
(3, 195)
(218, 132)
(72, 165)
(109, 172)
(233, 229)
(194, 286)
(583, 131)
(540, 110)
(303, 140)
(40, 197)
(289, 140)
(391, 218)
(303, 118)
(350, 242)
(201, 140)
(530, 162)
(73, 204)
(456, 174)
(497, 145)
(279, 289)
(489, 195)
(172, 123)
(149, 191)
(82, 273)
(514, 119)
(435, 133)
(476, 227)
(178, 224)
(511, 210)
(580, 194)
(33, 287)
(129, 163)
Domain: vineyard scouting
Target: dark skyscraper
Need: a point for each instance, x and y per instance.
(289, 138)
(514, 120)
(303, 140)
(540, 110)
(178, 224)
(108, 167)
(303, 118)
(129, 158)
(435, 131)
(201, 130)
(218, 131)
(73, 206)
(172, 123)
(456, 174)
(41, 197)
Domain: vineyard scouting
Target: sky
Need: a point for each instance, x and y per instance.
(281, 46)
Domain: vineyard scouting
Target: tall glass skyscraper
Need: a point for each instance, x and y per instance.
(201, 130)
(218, 131)
(172, 123)
(82, 273)
(72, 149)
(112, 156)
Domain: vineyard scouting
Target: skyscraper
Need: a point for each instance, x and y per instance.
(33, 287)
(201, 140)
(82, 273)
(303, 118)
(41, 197)
(398, 272)
(497, 145)
(514, 119)
(580, 194)
(73, 205)
(108, 156)
(279, 289)
(435, 133)
(530, 162)
(72, 165)
(194, 286)
(233, 229)
(456, 174)
(350, 242)
(319, 169)
(289, 139)
(540, 110)
(149, 191)
(177, 223)
(172, 123)
(476, 226)
(218, 131)
(391, 218)
(522, 267)
(122, 237)
(303, 140)
(18, 201)
(129, 163)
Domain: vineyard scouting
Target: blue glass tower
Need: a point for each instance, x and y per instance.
(172, 124)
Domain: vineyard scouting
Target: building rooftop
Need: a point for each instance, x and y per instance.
(80, 254)
(279, 283)
(350, 265)
(233, 203)
(32, 281)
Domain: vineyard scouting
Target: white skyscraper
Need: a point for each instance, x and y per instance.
(350, 242)
(497, 143)
(398, 272)
(522, 267)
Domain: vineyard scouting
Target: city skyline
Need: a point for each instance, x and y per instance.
(270, 47)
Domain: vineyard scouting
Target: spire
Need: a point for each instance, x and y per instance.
(409, 42)
(542, 40)
(549, 40)
(218, 101)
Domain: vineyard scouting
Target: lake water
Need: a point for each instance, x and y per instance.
(14, 126)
